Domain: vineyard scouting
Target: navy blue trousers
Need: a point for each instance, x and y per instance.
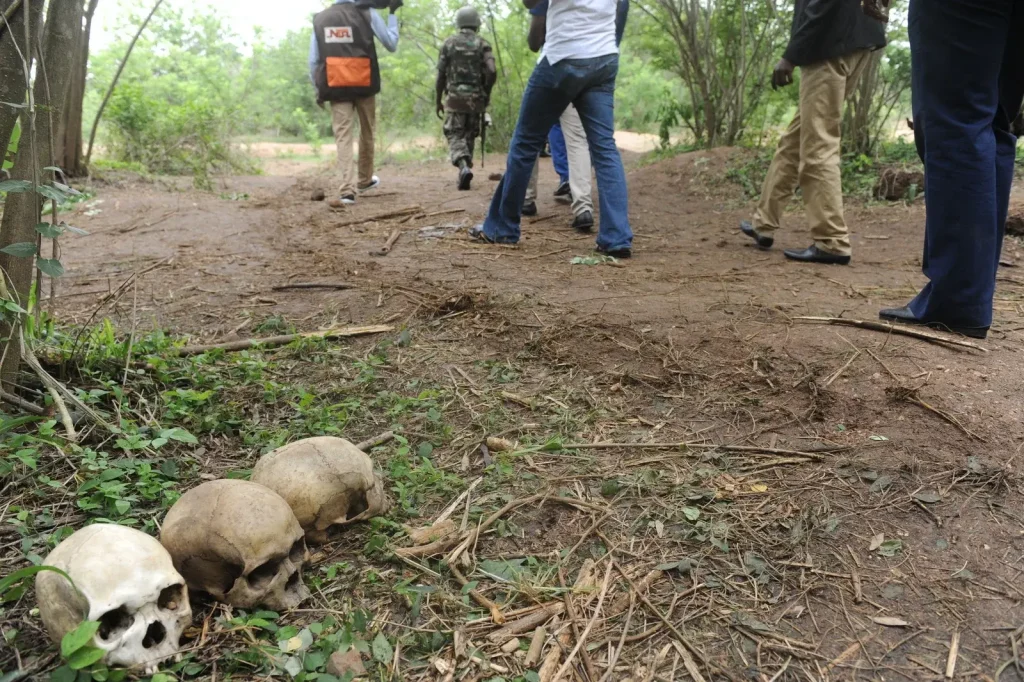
(968, 83)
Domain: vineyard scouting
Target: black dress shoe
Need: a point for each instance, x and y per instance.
(530, 208)
(905, 315)
(812, 254)
(762, 242)
(563, 190)
(615, 253)
(465, 178)
(584, 222)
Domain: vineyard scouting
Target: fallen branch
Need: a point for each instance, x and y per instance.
(892, 329)
(382, 216)
(25, 405)
(341, 286)
(527, 623)
(450, 210)
(479, 598)
(582, 639)
(276, 341)
(570, 613)
(702, 446)
(370, 444)
(388, 245)
(910, 395)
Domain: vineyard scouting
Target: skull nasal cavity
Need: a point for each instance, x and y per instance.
(171, 597)
(262, 575)
(293, 582)
(155, 634)
(114, 623)
(358, 506)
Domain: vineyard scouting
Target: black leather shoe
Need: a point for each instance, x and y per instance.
(465, 178)
(905, 315)
(584, 222)
(762, 242)
(530, 208)
(615, 253)
(563, 190)
(812, 254)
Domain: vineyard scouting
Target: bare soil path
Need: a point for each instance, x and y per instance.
(898, 528)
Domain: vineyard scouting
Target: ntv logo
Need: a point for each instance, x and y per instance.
(338, 34)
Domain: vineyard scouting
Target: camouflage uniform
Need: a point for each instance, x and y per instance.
(466, 74)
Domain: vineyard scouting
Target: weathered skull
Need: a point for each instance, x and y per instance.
(239, 542)
(126, 581)
(326, 481)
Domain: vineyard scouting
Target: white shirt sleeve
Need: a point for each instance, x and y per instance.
(387, 33)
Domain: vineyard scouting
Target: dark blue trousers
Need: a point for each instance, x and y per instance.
(968, 83)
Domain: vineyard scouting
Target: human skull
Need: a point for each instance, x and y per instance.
(326, 481)
(125, 580)
(239, 542)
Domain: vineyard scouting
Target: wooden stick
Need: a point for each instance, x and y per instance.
(691, 665)
(25, 405)
(892, 329)
(314, 285)
(550, 665)
(582, 639)
(276, 341)
(527, 623)
(614, 657)
(839, 372)
(370, 444)
(954, 652)
(450, 210)
(381, 216)
(479, 598)
(672, 628)
(540, 635)
(570, 613)
(701, 446)
(388, 245)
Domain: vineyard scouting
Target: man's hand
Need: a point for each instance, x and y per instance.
(440, 110)
(783, 74)
(393, 5)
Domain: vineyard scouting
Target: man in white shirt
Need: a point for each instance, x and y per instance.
(581, 61)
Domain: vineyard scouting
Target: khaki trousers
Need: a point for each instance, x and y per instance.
(343, 117)
(578, 153)
(808, 155)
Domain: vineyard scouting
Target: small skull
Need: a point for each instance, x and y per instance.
(328, 482)
(125, 580)
(239, 542)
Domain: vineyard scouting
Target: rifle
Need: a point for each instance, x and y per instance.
(483, 138)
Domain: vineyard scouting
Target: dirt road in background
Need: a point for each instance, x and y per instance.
(877, 510)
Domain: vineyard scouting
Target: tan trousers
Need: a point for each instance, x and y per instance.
(809, 154)
(578, 153)
(343, 117)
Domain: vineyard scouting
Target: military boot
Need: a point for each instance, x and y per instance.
(465, 175)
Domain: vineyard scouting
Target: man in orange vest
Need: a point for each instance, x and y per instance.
(343, 67)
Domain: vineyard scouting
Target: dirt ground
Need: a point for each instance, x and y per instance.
(874, 483)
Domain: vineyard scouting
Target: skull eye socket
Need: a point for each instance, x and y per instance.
(262, 575)
(298, 552)
(155, 635)
(115, 623)
(171, 597)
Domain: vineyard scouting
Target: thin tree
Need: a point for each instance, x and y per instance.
(22, 210)
(117, 75)
(13, 55)
(70, 149)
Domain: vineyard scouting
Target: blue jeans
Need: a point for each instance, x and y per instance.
(559, 155)
(589, 84)
(968, 83)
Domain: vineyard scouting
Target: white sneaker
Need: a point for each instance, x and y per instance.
(374, 184)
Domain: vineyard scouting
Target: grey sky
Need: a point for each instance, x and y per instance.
(274, 16)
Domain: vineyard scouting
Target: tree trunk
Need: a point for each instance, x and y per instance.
(71, 154)
(12, 77)
(22, 210)
(859, 117)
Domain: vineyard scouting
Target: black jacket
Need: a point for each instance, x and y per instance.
(825, 29)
